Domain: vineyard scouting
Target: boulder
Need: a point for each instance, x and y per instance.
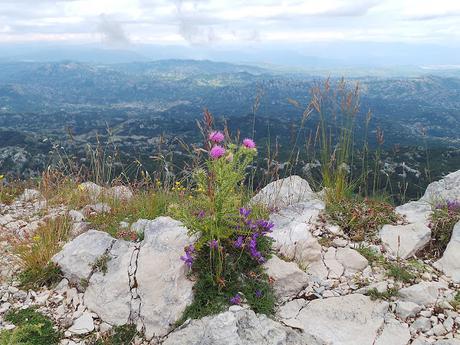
(407, 309)
(289, 279)
(394, 333)
(145, 283)
(284, 192)
(347, 320)
(424, 293)
(162, 285)
(415, 211)
(237, 326)
(404, 241)
(292, 235)
(449, 264)
(121, 193)
(91, 190)
(77, 257)
(446, 189)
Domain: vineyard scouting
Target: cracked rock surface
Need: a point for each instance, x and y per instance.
(144, 283)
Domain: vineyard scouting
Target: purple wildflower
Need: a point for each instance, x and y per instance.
(264, 225)
(213, 244)
(249, 143)
(256, 255)
(216, 137)
(235, 299)
(217, 152)
(239, 242)
(259, 293)
(245, 212)
(201, 214)
(188, 257)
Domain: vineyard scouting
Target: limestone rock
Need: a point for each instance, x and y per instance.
(407, 309)
(351, 260)
(394, 333)
(122, 193)
(78, 256)
(415, 211)
(284, 192)
(92, 190)
(443, 190)
(109, 294)
(237, 326)
(83, 325)
(292, 235)
(424, 293)
(347, 320)
(289, 278)
(404, 241)
(162, 285)
(450, 261)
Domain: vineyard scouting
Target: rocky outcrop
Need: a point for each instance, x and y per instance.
(237, 326)
(77, 257)
(446, 189)
(144, 283)
(284, 192)
(292, 234)
(347, 320)
(403, 241)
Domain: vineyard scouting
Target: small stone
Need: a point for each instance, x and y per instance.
(83, 325)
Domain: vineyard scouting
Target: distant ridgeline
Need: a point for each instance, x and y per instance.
(50, 112)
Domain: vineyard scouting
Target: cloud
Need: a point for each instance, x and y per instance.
(433, 16)
(112, 31)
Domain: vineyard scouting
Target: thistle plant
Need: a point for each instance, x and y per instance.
(231, 240)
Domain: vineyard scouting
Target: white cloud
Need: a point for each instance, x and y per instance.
(230, 21)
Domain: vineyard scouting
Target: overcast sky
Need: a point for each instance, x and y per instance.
(229, 22)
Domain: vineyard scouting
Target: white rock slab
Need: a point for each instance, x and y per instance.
(404, 241)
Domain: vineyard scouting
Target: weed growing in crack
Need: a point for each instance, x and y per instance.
(100, 265)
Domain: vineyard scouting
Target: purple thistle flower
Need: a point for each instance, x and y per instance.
(188, 257)
(245, 212)
(259, 293)
(239, 242)
(217, 152)
(249, 143)
(235, 299)
(216, 137)
(213, 244)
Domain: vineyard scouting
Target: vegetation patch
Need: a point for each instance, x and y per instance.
(144, 205)
(100, 265)
(361, 218)
(387, 295)
(226, 260)
(442, 222)
(119, 335)
(10, 191)
(36, 252)
(32, 328)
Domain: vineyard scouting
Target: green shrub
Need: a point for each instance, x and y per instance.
(32, 328)
(119, 335)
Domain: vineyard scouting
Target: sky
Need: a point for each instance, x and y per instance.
(229, 22)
